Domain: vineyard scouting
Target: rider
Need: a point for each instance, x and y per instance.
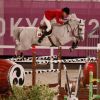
(60, 15)
(50, 15)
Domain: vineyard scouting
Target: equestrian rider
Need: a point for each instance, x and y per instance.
(60, 17)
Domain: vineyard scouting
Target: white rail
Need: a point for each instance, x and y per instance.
(45, 47)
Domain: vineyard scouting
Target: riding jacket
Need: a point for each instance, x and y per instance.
(51, 14)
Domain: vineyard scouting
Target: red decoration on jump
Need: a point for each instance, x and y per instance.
(89, 66)
(5, 66)
(33, 48)
(10, 74)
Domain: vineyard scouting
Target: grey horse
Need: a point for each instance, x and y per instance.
(25, 37)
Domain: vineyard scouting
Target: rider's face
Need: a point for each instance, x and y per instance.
(64, 14)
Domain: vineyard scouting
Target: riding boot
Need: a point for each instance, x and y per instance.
(45, 33)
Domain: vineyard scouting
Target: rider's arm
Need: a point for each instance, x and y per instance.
(59, 20)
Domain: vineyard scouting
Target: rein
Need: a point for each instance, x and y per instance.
(72, 30)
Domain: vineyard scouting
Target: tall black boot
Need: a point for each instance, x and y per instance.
(45, 33)
(41, 38)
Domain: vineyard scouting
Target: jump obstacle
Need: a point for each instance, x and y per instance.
(59, 67)
(52, 52)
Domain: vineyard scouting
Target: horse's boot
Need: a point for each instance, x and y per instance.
(74, 45)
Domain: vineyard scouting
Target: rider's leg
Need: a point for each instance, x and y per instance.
(47, 31)
(48, 24)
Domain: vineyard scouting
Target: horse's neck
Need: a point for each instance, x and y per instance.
(73, 21)
(73, 24)
(73, 17)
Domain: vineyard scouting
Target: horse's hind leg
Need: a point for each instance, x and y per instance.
(16, 34)
(19, 54)
(18, 51)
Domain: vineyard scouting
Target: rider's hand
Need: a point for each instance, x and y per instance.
(61, 21)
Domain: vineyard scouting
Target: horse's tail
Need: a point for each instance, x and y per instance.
(16, 33)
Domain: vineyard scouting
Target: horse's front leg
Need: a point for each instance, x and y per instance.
(74, 43)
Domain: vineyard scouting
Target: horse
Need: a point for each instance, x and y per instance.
(72, 30)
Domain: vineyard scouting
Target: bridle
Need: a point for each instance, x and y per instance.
(73, 30)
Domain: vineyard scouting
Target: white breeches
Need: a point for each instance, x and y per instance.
(47, 22)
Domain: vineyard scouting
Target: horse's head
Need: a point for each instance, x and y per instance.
(77, 28)
(81, 28)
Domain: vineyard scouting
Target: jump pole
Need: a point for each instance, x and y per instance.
(33, 68)
(59, 73)
(51, 58)
(98, 68)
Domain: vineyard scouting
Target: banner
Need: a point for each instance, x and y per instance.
(29, 13)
